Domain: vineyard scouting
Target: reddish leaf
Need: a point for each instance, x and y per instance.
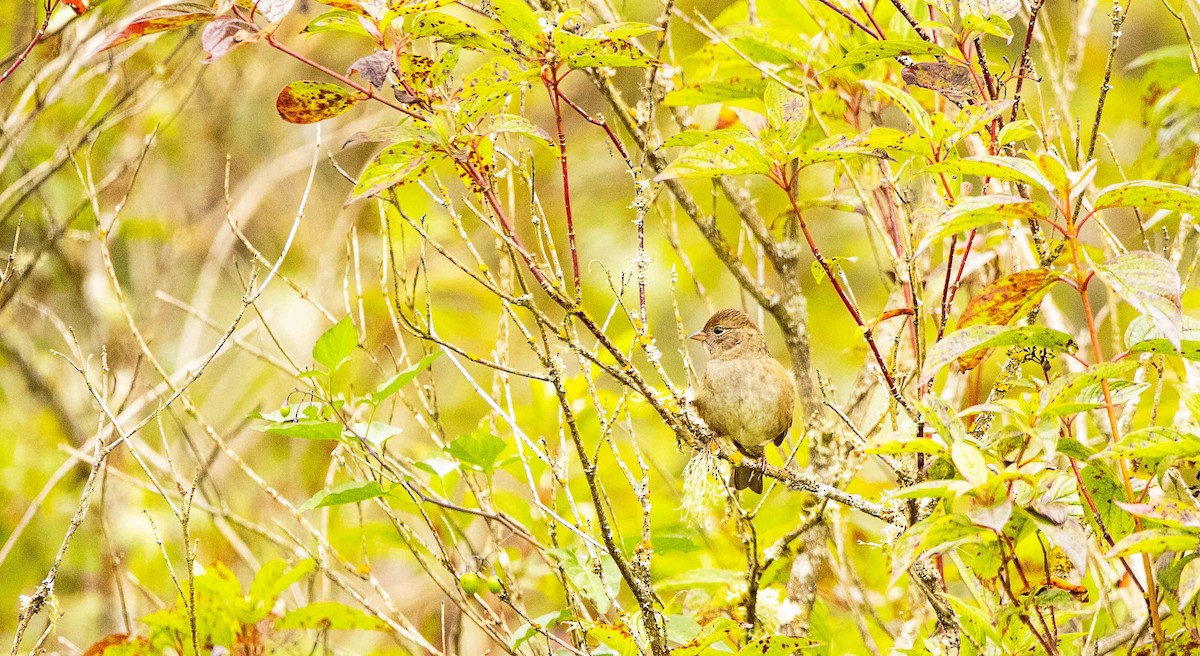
(79, 6)
(1004, 300)
(170, 17)
(374, 68)
(224, 34)
(309, 102)
(107, 641)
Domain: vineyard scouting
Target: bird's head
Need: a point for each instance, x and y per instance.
(730, 332)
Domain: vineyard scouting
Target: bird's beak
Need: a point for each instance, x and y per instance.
(698, 336)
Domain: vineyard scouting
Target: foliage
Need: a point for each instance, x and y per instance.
(498, 410)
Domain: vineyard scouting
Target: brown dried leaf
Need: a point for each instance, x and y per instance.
(374, 68)
(224, 34)
(309, 102)
(163, 19)
(953, 81)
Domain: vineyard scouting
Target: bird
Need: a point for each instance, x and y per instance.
(745, 394)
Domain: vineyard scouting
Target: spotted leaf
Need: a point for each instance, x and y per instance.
(309, 102)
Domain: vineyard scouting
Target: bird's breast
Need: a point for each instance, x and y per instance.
(742, 398)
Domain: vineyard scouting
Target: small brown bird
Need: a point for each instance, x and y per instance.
(745, 394)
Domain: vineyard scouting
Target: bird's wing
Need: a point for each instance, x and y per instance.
(787, 406)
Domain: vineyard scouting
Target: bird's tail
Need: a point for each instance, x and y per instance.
(744, 477)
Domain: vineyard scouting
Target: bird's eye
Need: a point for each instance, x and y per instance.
(718, 330)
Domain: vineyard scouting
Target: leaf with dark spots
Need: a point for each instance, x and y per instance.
(1010, 297)
(954, 81)
(309, 102)
(1149, 193)
(962, 344)
(374, 68)
(224, 34)
(372, 8)
(1166, 511)
(887, 49)
(398, 165)
(163, 19)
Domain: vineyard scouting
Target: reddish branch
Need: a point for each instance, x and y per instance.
(37, 37)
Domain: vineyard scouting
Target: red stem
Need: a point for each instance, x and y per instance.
(368, 92)
(552, 89)
(37, 36)
(850, 307)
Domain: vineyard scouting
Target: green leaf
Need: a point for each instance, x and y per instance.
(712, 633)
(339, 20)
(716, 91)
(1016, 131)
(1080, 391)
(309, 102)
(271, 580)
(393, 384)
(1149, 193)
(527, 631)
(335, 346)
(330, 615)
(410, 7)
(1153, 541)
(375, 433)
(394, 135)
(396, 166)
(682, 628)
(1155, 442)
(906, 103)
(1189, 582)
(1106, 489)
(776, 645)
(617, 638)
(977, 211)
(490, 84)
(452, 30)
(694, 137)
(787, 113)
(353, 492)
(478, 449)
(1173, 513)
(969, 462)
(965, 342)
(162, 19)
(973, 118)
(1150, 283)
(994, 25)
(581, 571)
(582, 52)
(701, 577)
(905, 445)
(520, 21)
(513, 124)
(888, 49)
(1008, 298)
(835, 148)
(1012, 169)
(722, 156)
(1144, 336)
(307, 429)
